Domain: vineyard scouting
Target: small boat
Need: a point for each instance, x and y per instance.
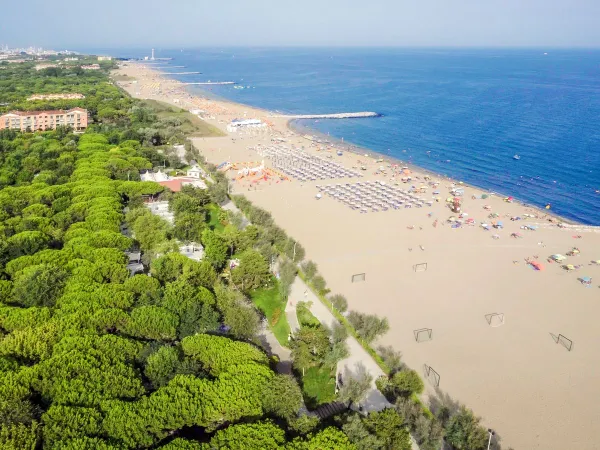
(517, 157)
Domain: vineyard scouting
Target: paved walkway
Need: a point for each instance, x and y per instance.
(375, 401)
(272, 346)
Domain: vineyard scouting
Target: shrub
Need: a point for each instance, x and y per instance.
(407, 382)
(310, 269)
(339, 302)
(391, 358)
(319, 283)
(368, 326)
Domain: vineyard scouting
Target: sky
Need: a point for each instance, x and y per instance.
(62, 24)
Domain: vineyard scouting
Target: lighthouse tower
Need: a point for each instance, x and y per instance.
(152, 57)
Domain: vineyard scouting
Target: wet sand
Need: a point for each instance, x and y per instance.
(531, 390)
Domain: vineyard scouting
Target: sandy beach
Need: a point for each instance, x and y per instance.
(532, 390)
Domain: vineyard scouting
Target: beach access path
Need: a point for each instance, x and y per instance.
(374, 401)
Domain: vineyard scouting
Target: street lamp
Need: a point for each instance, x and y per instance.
(491, 432)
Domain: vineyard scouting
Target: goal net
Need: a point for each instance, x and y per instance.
(565, 342)
(423, 334)
(495, 319)
(358, 277)
(421, 267)
(431, 375)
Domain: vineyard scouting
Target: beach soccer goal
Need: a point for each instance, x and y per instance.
(423, 334)
(431, 375)
(495, 319)
(357, 277)
(564, 341)
(421, 267)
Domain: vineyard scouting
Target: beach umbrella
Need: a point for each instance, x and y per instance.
(558, 257)
(536, 265)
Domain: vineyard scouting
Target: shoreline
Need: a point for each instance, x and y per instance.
(470, 275)
(360, 151)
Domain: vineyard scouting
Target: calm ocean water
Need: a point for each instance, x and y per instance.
(462, 113)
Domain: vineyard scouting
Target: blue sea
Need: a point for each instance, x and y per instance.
(461, 113)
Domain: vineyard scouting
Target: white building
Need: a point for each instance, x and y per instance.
(192, 250)
(196, 172)
(104, 58)
(239, 124)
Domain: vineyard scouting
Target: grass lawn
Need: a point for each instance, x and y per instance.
(305, 317)
(190, 123)
(318, 386)
(269, 301)
(213, 217)
(123, 78)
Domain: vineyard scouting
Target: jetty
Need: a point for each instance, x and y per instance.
(349, 115)
(212, 82)
(180, 73)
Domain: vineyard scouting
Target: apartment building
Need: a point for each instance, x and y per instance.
(76, 118)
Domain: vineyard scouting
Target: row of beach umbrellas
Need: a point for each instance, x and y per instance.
(372, 195)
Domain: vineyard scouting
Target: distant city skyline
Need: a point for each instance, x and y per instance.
(179, 23)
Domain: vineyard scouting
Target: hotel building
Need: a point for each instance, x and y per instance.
(76, 118)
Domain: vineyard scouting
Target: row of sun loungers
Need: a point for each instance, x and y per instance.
(372, 196)
(306, 167)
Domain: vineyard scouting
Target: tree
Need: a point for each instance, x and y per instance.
(339, 350)
(328, 439)
(252, 272)
(39, 285)
(162, 366)
(26, 243)
(282, 397)
(368, 326)
(169, 267)
(255, 436)
(309, 347)
(391, 357)
(217, 354)
(200, 274)
(63, 423)
(355, 385)
(309, 268)
(287, 275)
(360, 435)
(215, 248)
(464, 432)
(147, 290)
(390, 429)
(303, 424)
(188, 227)
(20, 436)
(193, 306)
(238, 315)
(339, 302)
(319, 284)
(15, 411)
(152, 322)
(406, 382)
(181, 444)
